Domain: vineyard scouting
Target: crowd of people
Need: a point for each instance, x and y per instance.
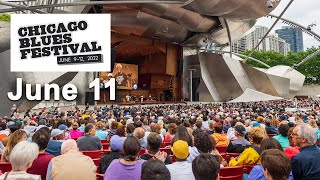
(279, 143)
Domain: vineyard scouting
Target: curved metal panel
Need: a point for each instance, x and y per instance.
(150, 26)
(281, 84)
(252, 10)
(260, 80)
(215, 7)
(204, 94)
(237, 29)
(296, 78)
(239, 73)
(188, 19)
(232, 9)
(219, 75)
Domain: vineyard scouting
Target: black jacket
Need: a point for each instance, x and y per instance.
(106, 160)
(238, 146)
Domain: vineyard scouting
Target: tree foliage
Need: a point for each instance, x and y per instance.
(310, 69)
(5, 17)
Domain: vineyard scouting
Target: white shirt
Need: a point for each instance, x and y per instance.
(181, 171)
(31, 129)
(6, 132)
(230, 134)
(147, 134)
(205, 125)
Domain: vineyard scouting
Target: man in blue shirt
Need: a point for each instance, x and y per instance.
(54, 145)
(306, 164)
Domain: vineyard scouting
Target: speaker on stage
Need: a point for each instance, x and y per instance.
(89, 98)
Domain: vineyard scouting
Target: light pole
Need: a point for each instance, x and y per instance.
(191, 71)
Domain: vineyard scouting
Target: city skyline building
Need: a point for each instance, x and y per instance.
(293, 36)
(272, 42)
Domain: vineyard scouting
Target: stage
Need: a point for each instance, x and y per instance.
(131, 103)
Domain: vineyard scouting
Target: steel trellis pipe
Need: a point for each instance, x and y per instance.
(274, 24)
(86, 3)
(22, 7)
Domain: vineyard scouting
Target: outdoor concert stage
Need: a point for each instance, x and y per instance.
(131, 103)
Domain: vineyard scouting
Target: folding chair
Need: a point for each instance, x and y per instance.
(231, 171)
(99, 176)
(93, 154)
(221, 149)
(103, 141)
(105, 145)
(96, 161)
(5, 167)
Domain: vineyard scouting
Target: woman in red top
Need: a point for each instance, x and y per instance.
(40, 165)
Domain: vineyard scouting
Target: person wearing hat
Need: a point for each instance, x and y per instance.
(240, 144)
(180, 169)
(65, 130)
(256, 124)
(54, 145)
(251, 154)
(116, 147)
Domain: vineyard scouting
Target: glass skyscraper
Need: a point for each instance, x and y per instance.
(293, 36)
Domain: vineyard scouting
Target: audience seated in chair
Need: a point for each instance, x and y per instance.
(21, 158)
(71, 163)
(40, 164)
(306, 164)
(116, 147)
(89, 142)
(153, 149)
(181, 169)
(276, 165)
(251, 154)
(221, 139)
(240, 143)
(206, 167)
(54, 145)
(128, 167)
(155, 170)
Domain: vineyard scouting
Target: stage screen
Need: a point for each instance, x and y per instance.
(126, 75)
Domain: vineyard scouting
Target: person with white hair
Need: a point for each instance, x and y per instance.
(160, 122)
(71, 164)
(306, 164)
(21, 157)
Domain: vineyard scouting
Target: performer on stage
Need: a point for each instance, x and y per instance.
(128, 98)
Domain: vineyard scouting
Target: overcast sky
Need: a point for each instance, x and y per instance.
(303, 12)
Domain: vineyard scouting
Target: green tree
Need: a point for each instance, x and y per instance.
(5, 17)
(310, 69)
